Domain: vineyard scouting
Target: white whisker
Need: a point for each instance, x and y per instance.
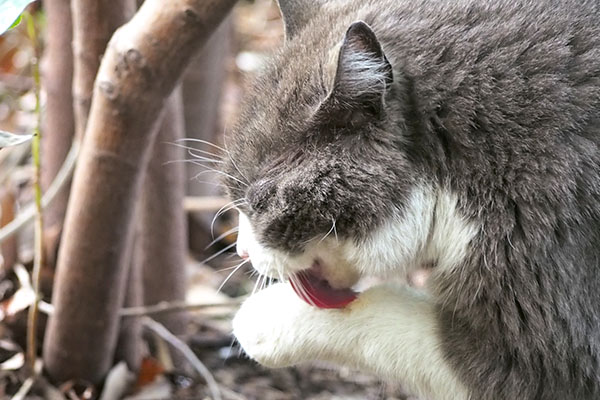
(208, 169)
(222, 210)
(328, 233)
(335, 230)
(218, 253)
(236, 269)
(203, 142)
(196, 150)
(233, 162)
(223, 235)
(256, 284)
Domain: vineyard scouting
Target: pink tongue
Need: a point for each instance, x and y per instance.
(317, 292)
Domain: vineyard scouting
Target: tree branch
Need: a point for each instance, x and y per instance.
(142, 64)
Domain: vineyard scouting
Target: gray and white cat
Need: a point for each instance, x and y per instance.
(390, 134)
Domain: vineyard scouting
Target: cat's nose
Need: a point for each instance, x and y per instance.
(243, 239)
(243, 253)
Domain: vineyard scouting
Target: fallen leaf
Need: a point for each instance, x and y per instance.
(150, 369)
(14, 363)
(10, 10)
(118, 381)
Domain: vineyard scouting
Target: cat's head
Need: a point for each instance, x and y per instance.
(316, 164)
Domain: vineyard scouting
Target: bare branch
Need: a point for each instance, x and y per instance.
(187, 353)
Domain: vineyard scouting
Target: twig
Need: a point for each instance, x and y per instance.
(38, 259)
(28, 384)
(24, 389)
(28, 213)
(174, 341)
(157, 309)
(176, 306)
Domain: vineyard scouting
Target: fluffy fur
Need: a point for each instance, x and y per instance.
(489, 112)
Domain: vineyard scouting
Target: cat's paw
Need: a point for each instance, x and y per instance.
(276, 328)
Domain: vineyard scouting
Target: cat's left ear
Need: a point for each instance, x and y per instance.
(363, 73)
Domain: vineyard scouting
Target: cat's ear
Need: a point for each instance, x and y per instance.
(297, 13)
(363, 72)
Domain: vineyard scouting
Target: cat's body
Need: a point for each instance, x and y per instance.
(459, 133)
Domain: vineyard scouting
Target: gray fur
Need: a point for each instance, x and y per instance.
(497, 101)
(297, 13)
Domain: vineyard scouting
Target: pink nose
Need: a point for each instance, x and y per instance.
(243, 253)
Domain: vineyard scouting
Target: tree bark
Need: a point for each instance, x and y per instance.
(94, 22)
(161, 244)
(129, 346)
(57, 77)
(142, 64)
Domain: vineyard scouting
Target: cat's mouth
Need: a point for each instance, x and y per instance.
(312, 287)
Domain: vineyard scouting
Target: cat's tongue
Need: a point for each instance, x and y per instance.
(316, 291)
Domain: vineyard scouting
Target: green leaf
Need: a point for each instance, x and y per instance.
(10, 139)
(17, 22)
(10, 10)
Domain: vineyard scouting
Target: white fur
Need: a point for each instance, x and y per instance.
(428, 231)
(451, 233)
(389, 331)
(398, 245)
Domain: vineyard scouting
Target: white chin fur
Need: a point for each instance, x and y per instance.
(402, 244)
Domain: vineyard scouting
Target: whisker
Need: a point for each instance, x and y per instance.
(218, 253)
(226, 268)
(327, 234)
(204, 158)
(236, 269)
(196, 150)
(195, 161)
(223, 235)
(251, 273)
(222, 210)
(209, 182)
(233, 162)
(256, 284)
(203, 142)
(335, 230)
(208, 169)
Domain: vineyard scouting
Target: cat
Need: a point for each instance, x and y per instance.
(390, 134)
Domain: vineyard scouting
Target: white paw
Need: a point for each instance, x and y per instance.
(274, 327)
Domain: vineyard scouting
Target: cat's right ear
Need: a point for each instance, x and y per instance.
(363, 73)
(296, 14)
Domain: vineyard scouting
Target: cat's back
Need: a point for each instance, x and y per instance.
(520, 64)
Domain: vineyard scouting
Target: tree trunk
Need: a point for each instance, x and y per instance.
(162, 245)
(94, 22)
(202, 92)
(57, 77)
(142, 64)
(129, 346)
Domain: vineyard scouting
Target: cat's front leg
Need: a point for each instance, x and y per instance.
(277, 329)
(390, 331)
